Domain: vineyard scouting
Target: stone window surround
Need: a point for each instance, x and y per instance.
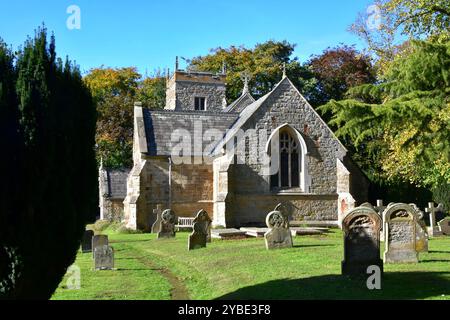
(303, 168)
(206, 102)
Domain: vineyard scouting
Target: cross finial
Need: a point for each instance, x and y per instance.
(224, 67)
(176, 63)
(284, 70)
(245, 77)
(245, 90)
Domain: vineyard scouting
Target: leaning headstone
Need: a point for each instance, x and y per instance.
(167, 224)
(197, 239)
(99, 240)
(157, 224)
(444, 226)
(433, 230)
(361, 228)
(379, 208)
(400, 228)
(103, 258)
(86, 242)
(205, 221)
(279, 234)
(421, 230)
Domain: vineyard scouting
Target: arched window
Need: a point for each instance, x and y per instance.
(290, 162)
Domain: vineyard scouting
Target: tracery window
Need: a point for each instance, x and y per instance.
(288, 175)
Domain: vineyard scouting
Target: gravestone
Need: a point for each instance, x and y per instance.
(157, 224)
(379, 208)
(444, 226)
(167, 224)
(400, 229)
(103, 258)
(361, 228)
(279, 234)
(197, 239)
(433, 230)
(86, 242)
(99, 240)
(203, 218)
(421, 231)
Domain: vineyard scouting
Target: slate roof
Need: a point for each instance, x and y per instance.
(117, 183)
(160, 124)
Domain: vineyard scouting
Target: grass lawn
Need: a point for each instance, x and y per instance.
(243, 269)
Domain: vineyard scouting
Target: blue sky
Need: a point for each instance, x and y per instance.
(149, 34)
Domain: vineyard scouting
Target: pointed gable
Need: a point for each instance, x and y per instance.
(240, 103)
(305, 113)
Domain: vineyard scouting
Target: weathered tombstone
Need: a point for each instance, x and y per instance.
(197, 239)
(444, 226)
(379, 208)
(361, 228)
(157, 224)
(433, 230)
(279, 234)
(103, 258)
(86, 242)
(421, 231)
(167, 224)
(99, 240)
(400, 229)
(203, 218)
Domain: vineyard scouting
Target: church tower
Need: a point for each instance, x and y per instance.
(189, 90)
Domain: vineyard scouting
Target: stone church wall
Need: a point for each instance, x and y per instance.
(253, 199)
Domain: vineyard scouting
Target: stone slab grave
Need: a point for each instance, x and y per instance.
(315, 224)
(228, 234)
(400, 229)
(201, 231)
(103, 258)
(99, 240)
(86, 242)
(167, 224)
(255, 232)
(298, 231)
(444, 226)
(279, 235)
(361, 228)
(157, 224)
(433, 229)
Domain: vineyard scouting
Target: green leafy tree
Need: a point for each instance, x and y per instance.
(53, 192)
(264, 65)
(398, 21)
(402, 123)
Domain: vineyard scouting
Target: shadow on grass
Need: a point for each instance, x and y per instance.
(395, 285)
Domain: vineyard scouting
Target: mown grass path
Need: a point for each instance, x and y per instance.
(148, 268)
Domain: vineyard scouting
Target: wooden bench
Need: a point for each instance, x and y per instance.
(184, 223)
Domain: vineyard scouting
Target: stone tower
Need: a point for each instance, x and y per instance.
(196, 91)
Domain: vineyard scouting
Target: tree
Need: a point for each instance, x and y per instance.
(400, 20)
(338, 69)
(405, 119)
(115, 91)
(53, 182)
(264, 65)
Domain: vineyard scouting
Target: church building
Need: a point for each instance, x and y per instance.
(237, 161)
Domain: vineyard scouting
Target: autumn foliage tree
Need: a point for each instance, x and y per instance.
(115, 91)
(339, 69)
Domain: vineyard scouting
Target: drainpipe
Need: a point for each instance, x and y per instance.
(170, 182)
